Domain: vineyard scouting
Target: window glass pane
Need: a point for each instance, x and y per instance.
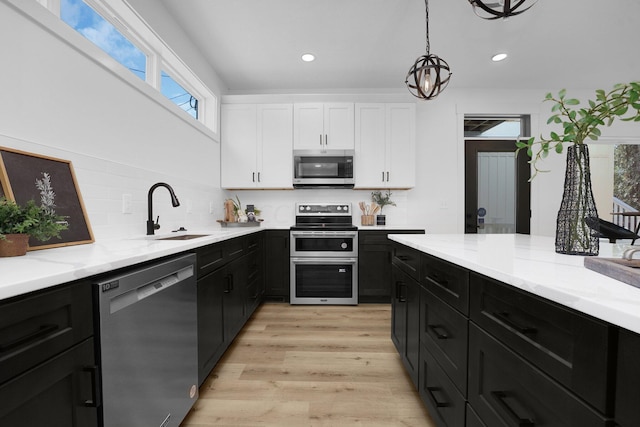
(95, 28)
(179, 95)
(492, 127)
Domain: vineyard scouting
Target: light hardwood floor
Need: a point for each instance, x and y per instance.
(311, 366)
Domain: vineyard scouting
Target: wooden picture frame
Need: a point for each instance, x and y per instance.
(19, 172)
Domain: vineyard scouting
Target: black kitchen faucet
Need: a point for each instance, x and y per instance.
(151, 225)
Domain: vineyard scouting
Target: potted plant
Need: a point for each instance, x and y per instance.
(18, 223)
(576, 225)
(382, 200)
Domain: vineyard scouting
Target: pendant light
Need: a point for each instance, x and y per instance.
(430, 74)
(500, 8)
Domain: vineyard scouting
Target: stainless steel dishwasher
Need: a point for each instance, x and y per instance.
(148, 344)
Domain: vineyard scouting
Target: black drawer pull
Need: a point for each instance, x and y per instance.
(399, 294)
(500, 397)
(438, 280)
(228, 286)
(41, 332)
(439, 404)
(403, 257)
(440, 332)
(95, 400)
(504, 318)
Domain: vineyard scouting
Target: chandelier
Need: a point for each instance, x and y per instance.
(500, 8)
(430, 74)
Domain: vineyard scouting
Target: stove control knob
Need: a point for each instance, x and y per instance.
(339, 208)
(343, 245)
(345, 208)
(301, 208)
(308, 208)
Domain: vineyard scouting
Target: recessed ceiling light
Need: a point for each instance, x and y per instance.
(308, 57)
(499, 57)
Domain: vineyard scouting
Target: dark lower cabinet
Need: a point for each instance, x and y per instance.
(506, 390)
(48, 372)
(405, 327)
(276, 265)
(58, 393)
(627, 411)
(374, 264)
(211, 343)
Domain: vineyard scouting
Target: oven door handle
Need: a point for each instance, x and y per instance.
(324, 260)
(325, 234)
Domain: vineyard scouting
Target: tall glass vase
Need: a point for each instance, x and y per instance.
(577, 222)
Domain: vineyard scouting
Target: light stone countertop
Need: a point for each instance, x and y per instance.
(45, 268)
(530, 263)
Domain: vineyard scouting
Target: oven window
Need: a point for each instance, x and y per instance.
(328, 244)
(324, 281)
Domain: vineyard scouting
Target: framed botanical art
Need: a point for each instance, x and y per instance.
(48, 181)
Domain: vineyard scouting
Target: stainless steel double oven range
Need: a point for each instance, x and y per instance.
(324, 255)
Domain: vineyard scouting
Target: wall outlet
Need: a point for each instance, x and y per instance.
(443, 204)
(126, 204)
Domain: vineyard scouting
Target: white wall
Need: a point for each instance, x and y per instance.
(121, 135)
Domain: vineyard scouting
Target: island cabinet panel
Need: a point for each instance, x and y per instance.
(444, 333)
(506, 390)
(441, 396)
(447, 281)
(472, 418)
(572, 348)
(374, 264)
(628, 379)
(405, 324)
(407, 260)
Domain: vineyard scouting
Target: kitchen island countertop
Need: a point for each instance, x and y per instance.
(42, 269)
(530, 263)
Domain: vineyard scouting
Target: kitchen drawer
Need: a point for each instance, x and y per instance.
(36, 327)
(439, 394)
(444, 331)
(210, 258)
(253, 241)
(446, 280)
(505, 390)
(234, 248)
(407, 259)
(572, 348)
(379, 237)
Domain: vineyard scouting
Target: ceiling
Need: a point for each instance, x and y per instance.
(255, 45)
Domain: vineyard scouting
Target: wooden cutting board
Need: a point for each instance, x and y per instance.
(627, 271)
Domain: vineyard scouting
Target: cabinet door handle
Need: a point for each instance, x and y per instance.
(95, 400)
(504, 318)
(253, 177)
(258, 176)
(403, 257)
(326, 140)
(403, 295)
(432, 391)
(42, 331)
(320, 140)
(228, 285)
(440, 332)
(500, 397)
(387, 176)
(382, 176)
(435, 278)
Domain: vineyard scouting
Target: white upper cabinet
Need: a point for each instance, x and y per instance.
(328, 126)
(256, 146)
(385, 145)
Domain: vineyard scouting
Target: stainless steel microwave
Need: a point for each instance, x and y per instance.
(323, 169)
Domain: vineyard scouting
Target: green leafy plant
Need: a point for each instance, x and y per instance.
(578, 124)
(382, 199)
(39, 222)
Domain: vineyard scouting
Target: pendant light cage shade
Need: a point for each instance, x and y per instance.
(428, 77)
(430, 74)
(497, 9)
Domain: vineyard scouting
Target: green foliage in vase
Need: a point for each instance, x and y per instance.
(382, 199)
(36, 221)
(582, 123)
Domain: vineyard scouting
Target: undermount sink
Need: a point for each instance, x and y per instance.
(624, 270)
(183, 237)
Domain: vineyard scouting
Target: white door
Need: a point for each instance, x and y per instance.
(308, 125)
(339, 126)
(238, 130)
(275, 145)
(370, 146)
(401, 145)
